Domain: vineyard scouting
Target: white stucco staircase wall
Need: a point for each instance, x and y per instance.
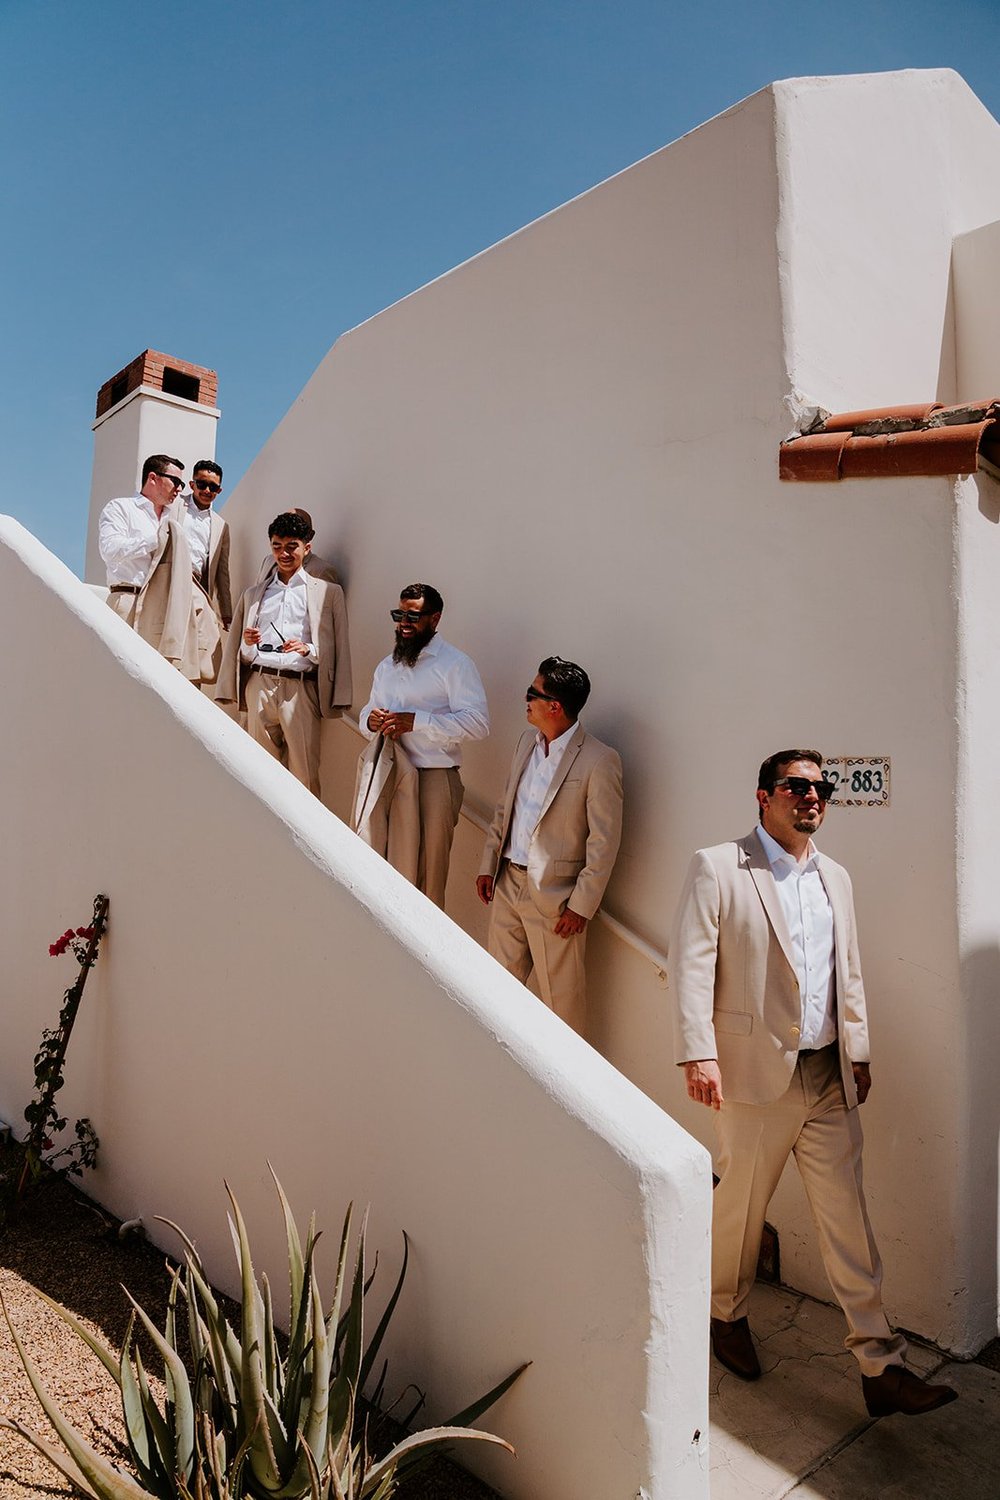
(575, 437)
(270, 989)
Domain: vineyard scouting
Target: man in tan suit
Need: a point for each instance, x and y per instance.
(553, 841)
(771, 1030)
(208, 537)
(287, 659)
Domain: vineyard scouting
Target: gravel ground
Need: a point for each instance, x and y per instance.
(63, 1245)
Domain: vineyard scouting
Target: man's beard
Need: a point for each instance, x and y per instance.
(409, 647)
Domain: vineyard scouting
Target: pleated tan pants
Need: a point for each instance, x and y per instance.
(441, 793)
(521, 939)
(283, 716)
(812, 1122)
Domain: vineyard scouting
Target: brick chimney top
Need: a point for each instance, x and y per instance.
(174, 377)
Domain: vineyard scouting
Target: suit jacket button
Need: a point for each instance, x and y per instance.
(796, 1031)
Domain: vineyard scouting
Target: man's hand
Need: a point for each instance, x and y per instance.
(394, 726)
(376, 719)
(569, 924)
(704, 1082)
(299, 646)
(862, 1080)
(251, 635)
(484, 888)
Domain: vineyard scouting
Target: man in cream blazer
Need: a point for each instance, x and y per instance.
(772, 1033)
(289, 679)
(553, 842)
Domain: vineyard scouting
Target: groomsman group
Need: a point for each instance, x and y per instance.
(770, 1015)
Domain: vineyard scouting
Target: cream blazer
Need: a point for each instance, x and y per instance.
(575, 841)
(328, 624)
(732, 972)
(218, 568)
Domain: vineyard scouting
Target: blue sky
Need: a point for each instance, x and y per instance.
(236, 182)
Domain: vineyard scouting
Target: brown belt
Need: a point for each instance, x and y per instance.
(523, 868)
(125, 588)
(286, 672)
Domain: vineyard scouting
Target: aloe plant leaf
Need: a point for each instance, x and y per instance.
(104, 1354)
(296, 1260)
(57, 1457)
(102, 1476)
(264, 1462)
(432, 1437)
(180, 1392)
(156, 1423)
(371, 1355)
(470, 1413)
(344, 1386)
(135, 1423)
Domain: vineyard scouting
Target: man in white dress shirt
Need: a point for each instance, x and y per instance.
(553, 842)
(129, 531)
(208, 537)
(150, 584)
(771, 1030)
(288, 660)
(429, 697)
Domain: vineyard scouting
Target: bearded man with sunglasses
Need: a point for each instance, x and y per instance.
(772, 1033)
(428, 697)
(553, 842)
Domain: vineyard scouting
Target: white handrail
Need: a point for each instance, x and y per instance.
(627, 936)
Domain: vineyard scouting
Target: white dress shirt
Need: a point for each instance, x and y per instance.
(532, 790)
(445, 694)
(197, 524)
(809, 918)
(283, 614)
(128, 534)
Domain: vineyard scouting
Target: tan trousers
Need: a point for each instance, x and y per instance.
(441, 793)
(811, 1121)
(522, 940)
(123, 606)
(283, 716)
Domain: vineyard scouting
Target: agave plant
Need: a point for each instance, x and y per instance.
(248, 1415)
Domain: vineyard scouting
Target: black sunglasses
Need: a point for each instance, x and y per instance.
(402, 615)
(177, 483)
(206, 484)
(533, 692)
(799, 787)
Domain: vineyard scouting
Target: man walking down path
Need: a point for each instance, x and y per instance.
(553, 842)
(148, 560)
(428, 696)
(771, 1030)
(288, 658)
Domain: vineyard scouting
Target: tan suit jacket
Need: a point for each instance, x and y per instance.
(579, 828)
(172, 612)
(328, 624)
(217, 581)
(732, 971)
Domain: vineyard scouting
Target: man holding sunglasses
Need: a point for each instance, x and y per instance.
(150, 583)
(772, 1033)
(553, 842)
(208, 537)
(428, 697)
(287, 660)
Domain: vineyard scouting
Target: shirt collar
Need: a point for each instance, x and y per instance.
(297, 580)
(778, 856)
(558, 745)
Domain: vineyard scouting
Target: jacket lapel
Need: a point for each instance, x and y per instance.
(767, 890)
(569, 756)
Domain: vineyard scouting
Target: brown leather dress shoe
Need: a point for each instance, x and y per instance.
(733, 1347)
(898, 1389)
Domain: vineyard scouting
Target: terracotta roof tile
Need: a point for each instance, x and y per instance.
(896, 441)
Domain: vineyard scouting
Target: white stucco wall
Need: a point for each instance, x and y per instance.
(145, 422)
(975, 260)
(575, 435)
(270, 989)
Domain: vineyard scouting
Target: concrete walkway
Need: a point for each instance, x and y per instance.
(802, 1430)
